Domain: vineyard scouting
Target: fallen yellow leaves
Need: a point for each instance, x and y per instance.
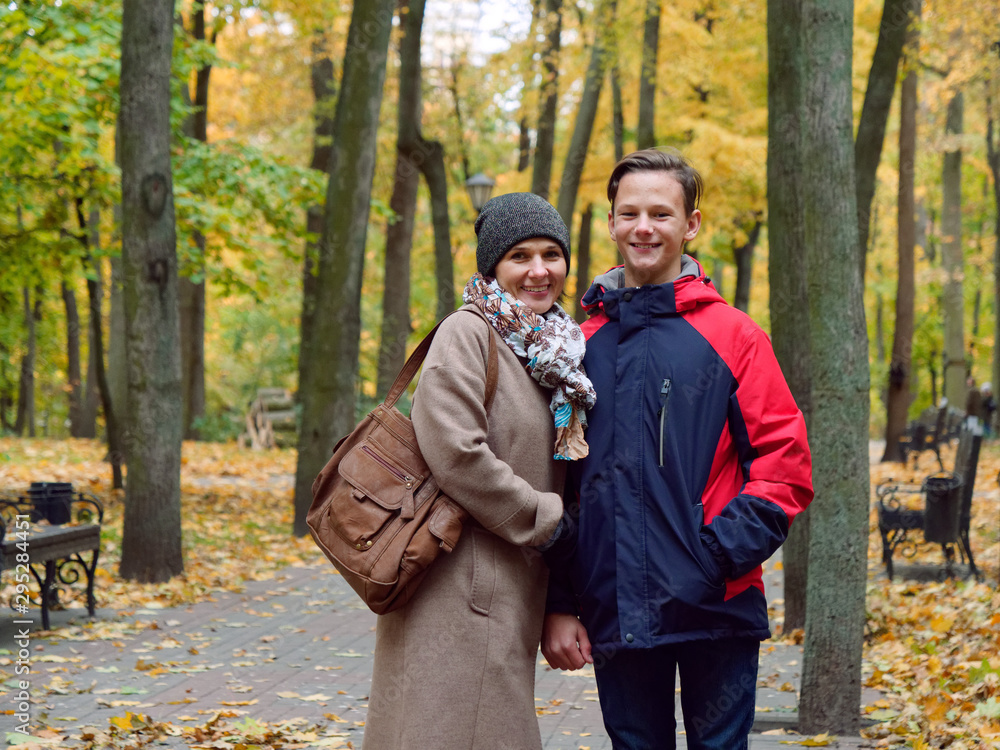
(820, 740)
(315, 697)
(934, 647)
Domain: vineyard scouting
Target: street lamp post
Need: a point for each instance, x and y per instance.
(479, 187)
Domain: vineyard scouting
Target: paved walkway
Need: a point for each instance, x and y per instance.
(297, 646)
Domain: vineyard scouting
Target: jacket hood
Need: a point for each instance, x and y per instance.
(687, 291)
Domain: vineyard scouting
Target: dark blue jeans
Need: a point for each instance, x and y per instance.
(718, 694)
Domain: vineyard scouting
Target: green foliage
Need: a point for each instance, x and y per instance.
(219, 426)
(241, 199)
(58, 100)
(252, 346)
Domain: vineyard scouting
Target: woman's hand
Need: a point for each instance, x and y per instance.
(565, 644)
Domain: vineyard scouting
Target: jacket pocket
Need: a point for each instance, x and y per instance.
(706, 559)
(484, 571)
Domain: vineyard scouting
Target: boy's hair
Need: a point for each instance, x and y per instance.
(655, 160)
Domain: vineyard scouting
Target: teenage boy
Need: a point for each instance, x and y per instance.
(698, 464)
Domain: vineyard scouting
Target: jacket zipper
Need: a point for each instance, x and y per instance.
(388, 466)
(664, 402)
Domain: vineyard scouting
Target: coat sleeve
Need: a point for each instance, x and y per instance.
(558, 554)
(450, 421)
(769, 435)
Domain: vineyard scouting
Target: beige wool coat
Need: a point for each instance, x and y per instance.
(455, 667)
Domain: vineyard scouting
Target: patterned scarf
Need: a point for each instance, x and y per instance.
(554, 347)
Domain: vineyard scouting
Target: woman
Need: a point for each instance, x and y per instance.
(455, 667)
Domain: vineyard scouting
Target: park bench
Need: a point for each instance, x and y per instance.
(944, 515)
(53, 533)
(936, 426)
(270, 420)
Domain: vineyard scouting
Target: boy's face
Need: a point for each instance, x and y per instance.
(650, 226)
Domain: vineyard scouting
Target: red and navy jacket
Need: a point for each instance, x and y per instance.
(698, 464)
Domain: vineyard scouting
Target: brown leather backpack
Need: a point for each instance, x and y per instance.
(377, 512)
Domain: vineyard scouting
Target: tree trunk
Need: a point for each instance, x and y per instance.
(900, 367)
(117, 363)
(645, 132)
(976, 304)
(72, 358)
(576, 155)
(459, 121)
(583, 261)
(744, 268)
(548, 94)
(116, 455)
(436, 175)
(617, 112)
(192, 289)
(6, 380)
(324, 96)
(993, 157)
(787, 257)
(523, 145)
(327, 388)
(952, 259)
(151, 533)
(875, 111)
(396, 324)
(191, 309)
(835, 598)
(91, 390)
(879, 327)
(26, 397)
(414, 155)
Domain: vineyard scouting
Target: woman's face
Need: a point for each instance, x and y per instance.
(534, 271)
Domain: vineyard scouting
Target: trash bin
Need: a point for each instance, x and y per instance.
(943, 493)
(51, 501)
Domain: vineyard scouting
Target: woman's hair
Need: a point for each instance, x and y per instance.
(655, 160)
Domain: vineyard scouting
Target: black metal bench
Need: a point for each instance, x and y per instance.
(53, 554)
(943, 518)
(936, 426)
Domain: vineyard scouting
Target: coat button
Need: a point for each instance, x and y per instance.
(627, 296)
(629, 637)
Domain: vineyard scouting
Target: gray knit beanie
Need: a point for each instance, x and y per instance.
(515, 217)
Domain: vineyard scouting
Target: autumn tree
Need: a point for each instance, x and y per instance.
(952, 256)
(875, 111)
(74, 391)
(399, 231)
(900, 368)
(645, 132)
(743, 255)
(835, 599)
(582, 253)
(548, 94)
(151, 533)
(25, 420)
(327, 389)
(787, 256)
(415, 155)
(322, 81)
(191, 285)
(993, 158)
(576, 154)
